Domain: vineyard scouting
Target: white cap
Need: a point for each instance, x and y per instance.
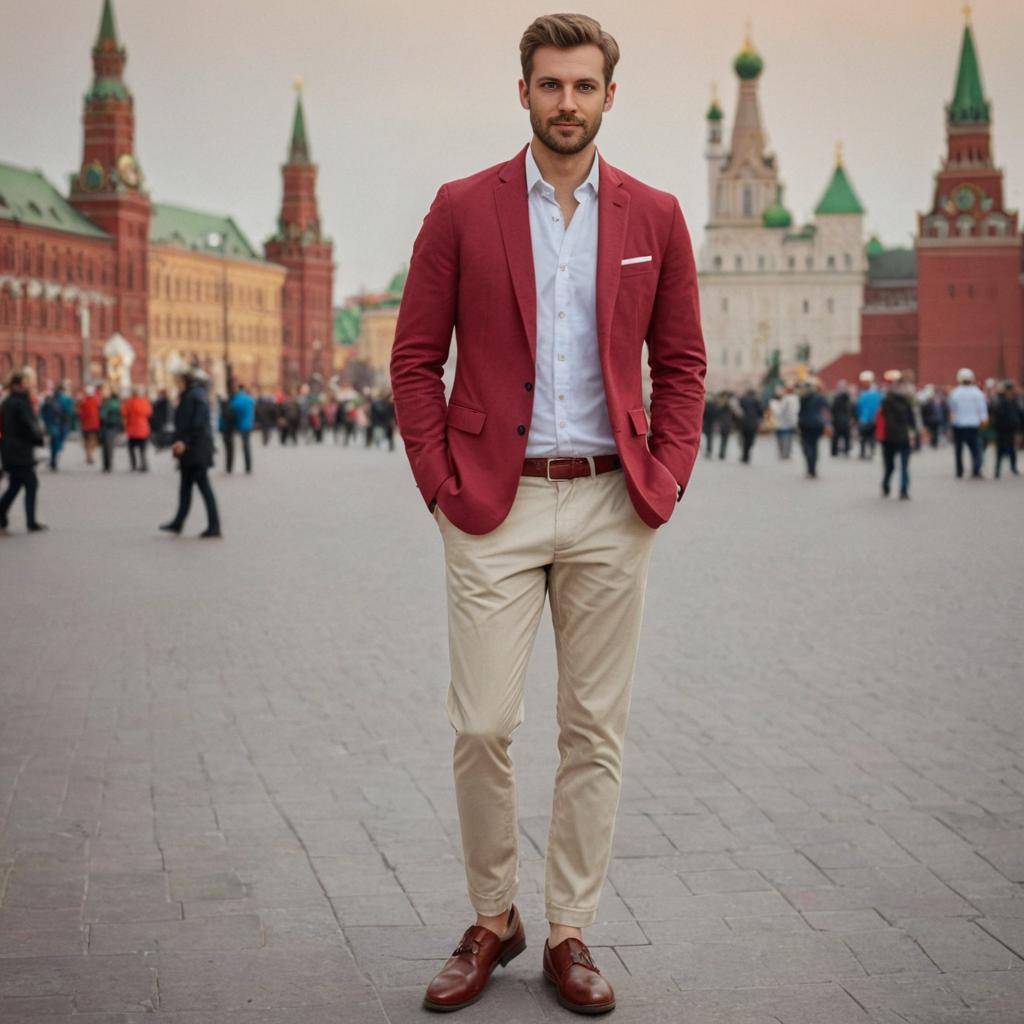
(965, 376)
(866, 377)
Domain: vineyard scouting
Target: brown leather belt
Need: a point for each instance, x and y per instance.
(569, 469)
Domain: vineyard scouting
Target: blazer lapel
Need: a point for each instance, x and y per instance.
(613, 217)
(514, 219)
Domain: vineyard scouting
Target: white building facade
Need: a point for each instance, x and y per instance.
(766, 285)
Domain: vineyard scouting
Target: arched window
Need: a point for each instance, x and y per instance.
(807, 306)
(847, 260)
(748, 201)
(739, 262)
(831, 263)
(791, 262)
(718, 263)
(831, 305)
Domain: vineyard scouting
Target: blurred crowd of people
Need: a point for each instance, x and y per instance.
(893, 415)
(107, 420)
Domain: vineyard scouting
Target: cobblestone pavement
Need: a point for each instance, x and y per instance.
(225, 788)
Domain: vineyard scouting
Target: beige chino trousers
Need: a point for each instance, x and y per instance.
(580, 543)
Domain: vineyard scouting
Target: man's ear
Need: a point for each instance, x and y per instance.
(524, 95)
(609, 97)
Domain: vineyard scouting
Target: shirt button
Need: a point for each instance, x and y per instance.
(561, 357)
(561, 315)
(562, 268)
(561, 398)
(561, 423)
(520, 430)
(528, 386)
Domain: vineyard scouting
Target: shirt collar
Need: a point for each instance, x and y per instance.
(534, 178)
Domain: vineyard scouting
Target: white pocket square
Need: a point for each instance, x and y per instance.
(637, 259)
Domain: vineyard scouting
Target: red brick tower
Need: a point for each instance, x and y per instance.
(969, 249)
(307, 316)
(108, 187)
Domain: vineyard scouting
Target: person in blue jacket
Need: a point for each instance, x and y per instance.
(243, 416)
(868, 403)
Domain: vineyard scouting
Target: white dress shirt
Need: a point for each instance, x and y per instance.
(967, 406)
(570, 413)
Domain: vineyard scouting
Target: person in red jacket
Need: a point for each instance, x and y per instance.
(89, 420)
(547, 478)
(136, 412)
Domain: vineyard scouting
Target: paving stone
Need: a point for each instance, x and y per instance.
(887, 952)
(259, 980)
(230, 932)
(961, 946)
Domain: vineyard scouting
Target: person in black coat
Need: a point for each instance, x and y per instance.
(193, 448)
(898, 430)
(20, 434)
(812, 420)
(751, 414)
(1007, 421)
(842, 419)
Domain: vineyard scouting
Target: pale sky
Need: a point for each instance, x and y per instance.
(401, 96)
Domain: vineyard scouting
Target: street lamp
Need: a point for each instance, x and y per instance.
(219, 240)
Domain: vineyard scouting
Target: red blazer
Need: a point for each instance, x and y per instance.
(472, 271)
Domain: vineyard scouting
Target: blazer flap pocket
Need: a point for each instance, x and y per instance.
(461, 417)
(638, 419)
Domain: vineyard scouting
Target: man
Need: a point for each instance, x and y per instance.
(751, 414)
(842, 413)
(1007, 420)
(897, 429)
(243, 410)
(111, 425)
(193, 448)
(968, 411)
(868, 402)
(20, 435)
(812, 420)
(552, 268)
(57, 420)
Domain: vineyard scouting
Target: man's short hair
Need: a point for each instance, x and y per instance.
(564, 31)
(15, 379)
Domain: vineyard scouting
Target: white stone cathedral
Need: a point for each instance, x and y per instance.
(764, 283)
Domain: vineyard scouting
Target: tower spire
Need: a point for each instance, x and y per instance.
(298, 152)
(969, 105)
(107, 38)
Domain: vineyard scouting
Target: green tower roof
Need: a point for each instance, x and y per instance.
(748, 63)
(969, 105)
(298, 152)
(107, 39)
(192, 229)
(839, 197)
(874, 246)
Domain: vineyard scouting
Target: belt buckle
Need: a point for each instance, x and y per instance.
(568, 458)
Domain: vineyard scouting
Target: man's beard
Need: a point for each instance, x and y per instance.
(565, 147)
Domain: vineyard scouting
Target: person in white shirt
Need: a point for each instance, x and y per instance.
(785, 408)
(968, 412)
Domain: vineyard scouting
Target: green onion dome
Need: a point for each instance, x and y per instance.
(874, 247)
(748, 63)
(777, 216)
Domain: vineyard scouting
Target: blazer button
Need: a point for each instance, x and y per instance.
(520, 430)
(528, 386)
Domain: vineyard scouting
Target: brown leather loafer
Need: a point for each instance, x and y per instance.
(581, 987)
(464, 977)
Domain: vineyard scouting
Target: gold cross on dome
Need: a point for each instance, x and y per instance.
(298, 83)
(966, 11)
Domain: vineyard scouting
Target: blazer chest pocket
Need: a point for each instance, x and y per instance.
(462, 417)
(637, 270)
